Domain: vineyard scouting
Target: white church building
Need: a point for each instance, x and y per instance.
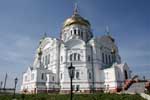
(97, 62)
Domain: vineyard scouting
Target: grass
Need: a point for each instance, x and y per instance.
(100, 96)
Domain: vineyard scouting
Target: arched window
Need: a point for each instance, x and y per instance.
(125, 74)
(75, 57)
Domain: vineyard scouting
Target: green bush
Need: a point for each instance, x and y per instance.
(100, 96)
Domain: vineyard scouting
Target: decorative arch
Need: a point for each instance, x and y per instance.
(75, 43)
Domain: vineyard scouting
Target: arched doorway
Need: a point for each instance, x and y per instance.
(125, 74)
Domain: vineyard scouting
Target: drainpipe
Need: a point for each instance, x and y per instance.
(58, 68)
(93, 78)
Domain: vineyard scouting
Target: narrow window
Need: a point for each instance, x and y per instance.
(77, 87)
(53, 78)
(75, 56)
(103, 57)
(82, 34)
(106, 59)
(45, 60)
(90, 76)
(89, 58)
(77, 75)
(42, 76)
(79, 32)
(79, 57)
(109, 59)
(71, 57)
(75, 32)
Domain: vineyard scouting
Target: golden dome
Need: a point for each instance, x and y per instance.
(76, 19)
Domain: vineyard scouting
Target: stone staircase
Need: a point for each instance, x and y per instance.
(136, 88)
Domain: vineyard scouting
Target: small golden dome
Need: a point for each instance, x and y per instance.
(76, 19)
(113, 51)
(39, 51)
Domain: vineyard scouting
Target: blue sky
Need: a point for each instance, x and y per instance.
(23, 22)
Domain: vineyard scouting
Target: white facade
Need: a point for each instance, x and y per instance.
(96, 60)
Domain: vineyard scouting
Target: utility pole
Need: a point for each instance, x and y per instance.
(1, 84)
(15, 80)
(71, 71)
(5, 81)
